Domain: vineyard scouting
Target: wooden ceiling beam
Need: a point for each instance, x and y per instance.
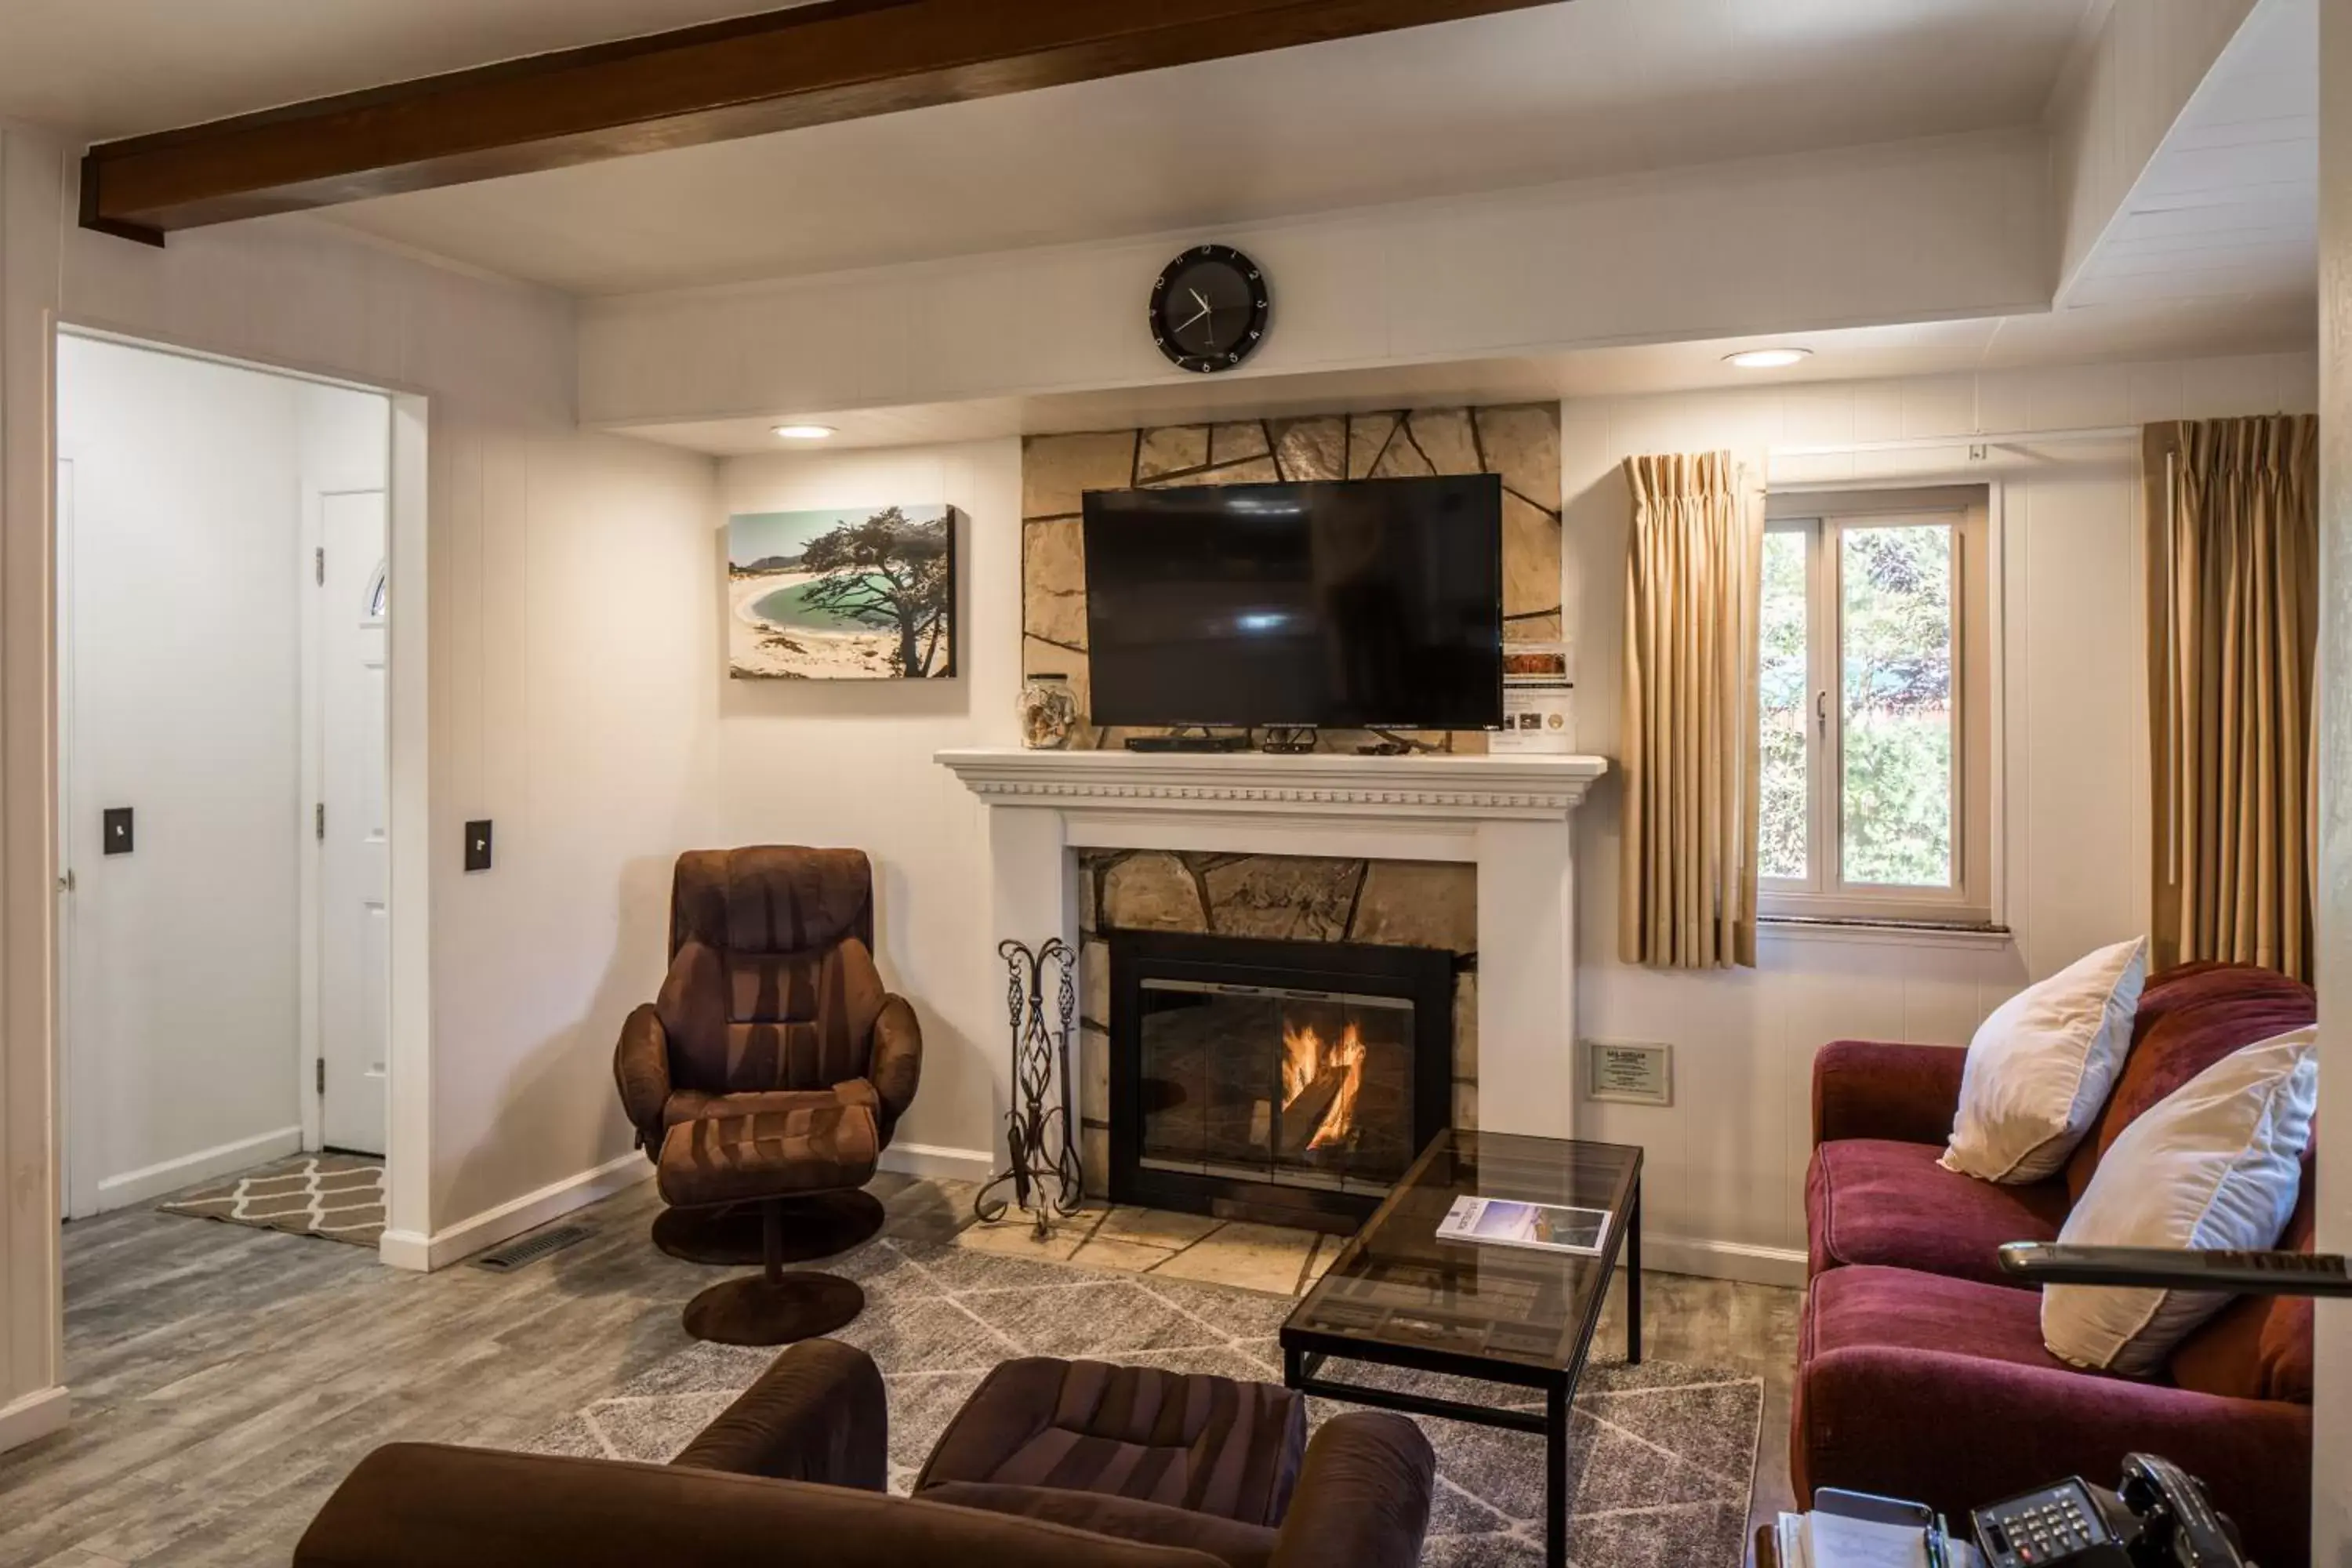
(809, 65)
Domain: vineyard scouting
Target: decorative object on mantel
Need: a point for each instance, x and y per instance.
(1049, 713)
(843, 593)
(1039, 1138)
(1538, 699)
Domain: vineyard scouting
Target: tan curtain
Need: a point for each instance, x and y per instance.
(1693, 586)
(2234, 569)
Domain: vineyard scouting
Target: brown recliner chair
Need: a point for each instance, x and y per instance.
(773, 1068)
(792, 1472)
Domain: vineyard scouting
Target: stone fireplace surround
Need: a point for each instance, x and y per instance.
(1431, 905)
(1454, 849)
(1519, 443)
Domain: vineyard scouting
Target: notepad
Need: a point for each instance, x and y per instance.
(1835, 1541)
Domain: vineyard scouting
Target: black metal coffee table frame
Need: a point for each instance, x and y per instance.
(1305, 1351)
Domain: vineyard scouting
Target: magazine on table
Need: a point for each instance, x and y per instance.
(1544, 1227)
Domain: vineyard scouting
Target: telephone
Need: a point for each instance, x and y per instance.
(2157, 1517)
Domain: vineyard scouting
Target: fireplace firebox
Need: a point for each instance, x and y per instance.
(1286, 1081)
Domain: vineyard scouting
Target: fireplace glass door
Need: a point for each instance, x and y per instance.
(1301, 1088)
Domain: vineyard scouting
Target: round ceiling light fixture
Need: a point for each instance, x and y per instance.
(804, 432)
(1767, 359)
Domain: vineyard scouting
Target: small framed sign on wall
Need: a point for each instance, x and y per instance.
(1633, 1072)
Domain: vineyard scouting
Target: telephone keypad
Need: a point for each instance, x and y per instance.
(2044, 1527)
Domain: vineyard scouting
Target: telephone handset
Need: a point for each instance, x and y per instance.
(2158, 1518)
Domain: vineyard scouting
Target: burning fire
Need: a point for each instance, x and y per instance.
(1306, 1058)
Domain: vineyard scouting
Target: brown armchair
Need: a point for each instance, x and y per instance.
(773, 1068)
(793, 1472)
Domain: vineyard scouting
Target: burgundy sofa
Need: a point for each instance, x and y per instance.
(1921, 1372)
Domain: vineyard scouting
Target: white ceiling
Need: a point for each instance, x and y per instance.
(1562, 91)
(2228, 209)
(2215, 251)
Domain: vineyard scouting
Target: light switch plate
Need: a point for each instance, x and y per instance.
(114, 830)
(478, 846)
(1633, 1072)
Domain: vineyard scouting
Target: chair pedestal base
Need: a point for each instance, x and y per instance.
(825, 1225)
(774, 1311)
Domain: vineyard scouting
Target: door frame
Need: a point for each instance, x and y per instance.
(310, 1037)
(77, 1180)
(409, 1067)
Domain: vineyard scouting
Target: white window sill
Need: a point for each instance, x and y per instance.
(1885, 932)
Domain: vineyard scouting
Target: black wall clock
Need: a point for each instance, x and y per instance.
(1209, 308)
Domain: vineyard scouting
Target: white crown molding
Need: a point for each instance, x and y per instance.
(1446, 787)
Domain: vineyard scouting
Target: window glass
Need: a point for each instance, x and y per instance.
(1786, 710)
(1897, 704)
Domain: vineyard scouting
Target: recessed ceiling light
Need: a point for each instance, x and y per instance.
(1767, 359)
(804, 432)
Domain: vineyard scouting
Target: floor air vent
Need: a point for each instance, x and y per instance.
(529, 1250)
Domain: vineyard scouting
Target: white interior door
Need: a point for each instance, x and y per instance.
(354, 937)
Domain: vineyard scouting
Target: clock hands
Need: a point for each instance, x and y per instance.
(1204, 314)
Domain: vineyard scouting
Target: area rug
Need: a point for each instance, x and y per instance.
(337, 1196)
(1661, 1461)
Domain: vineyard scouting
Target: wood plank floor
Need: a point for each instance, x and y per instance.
(224, 1378)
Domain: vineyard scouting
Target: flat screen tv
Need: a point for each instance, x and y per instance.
(1360, 604)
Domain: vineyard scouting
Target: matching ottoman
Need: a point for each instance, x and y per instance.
(769, 1158)
(1135, 1452)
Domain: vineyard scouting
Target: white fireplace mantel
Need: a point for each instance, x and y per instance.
(1463, 788)
(1510, 815)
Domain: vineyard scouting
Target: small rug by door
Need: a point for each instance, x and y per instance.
(337, 1196)
(1661, 1461)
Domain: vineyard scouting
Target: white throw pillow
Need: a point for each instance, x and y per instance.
(2040, 1067)
(2214, 1165)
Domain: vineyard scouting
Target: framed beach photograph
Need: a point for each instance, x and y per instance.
(847, 594)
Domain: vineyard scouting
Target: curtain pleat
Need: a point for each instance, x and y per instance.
(2232, 562)
(1693, 587)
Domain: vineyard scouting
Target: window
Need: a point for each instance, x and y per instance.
(1875, 707)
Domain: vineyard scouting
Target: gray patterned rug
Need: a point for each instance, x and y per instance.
(1661, 1467)
(337, 1197)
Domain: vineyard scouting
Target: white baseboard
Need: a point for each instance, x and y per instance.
(36, 1415)
(421, 1254)
(934, 1162)
(1723, 1261)
(223, 1160)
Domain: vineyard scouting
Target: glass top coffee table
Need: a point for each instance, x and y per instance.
(1399, 1297)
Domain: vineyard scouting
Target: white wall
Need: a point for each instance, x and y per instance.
(849, 763)
(2332, 1401)
(570, 694)
(575, 678)
(179, 699)
(1726, 1164)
